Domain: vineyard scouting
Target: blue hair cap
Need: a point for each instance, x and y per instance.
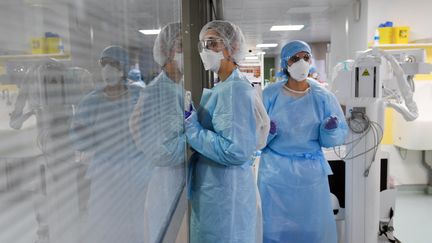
(117, 53)
(291, 49)
(134, 74)
(312, 69)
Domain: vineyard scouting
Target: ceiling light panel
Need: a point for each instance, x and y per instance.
(150, 32)
(265, 45)
(286, 27)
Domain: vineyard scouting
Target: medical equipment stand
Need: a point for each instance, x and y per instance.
(361, 92)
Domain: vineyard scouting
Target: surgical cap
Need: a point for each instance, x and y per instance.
(134, 74)
(231, 35)
(117, 53)
(291, 49)
(164, 43)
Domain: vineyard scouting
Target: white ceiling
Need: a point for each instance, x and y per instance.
(255, 17)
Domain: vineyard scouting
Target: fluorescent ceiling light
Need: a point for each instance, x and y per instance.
(251, 58)
(267, 45)
(286, 27)
(310, 9)
(150, 32)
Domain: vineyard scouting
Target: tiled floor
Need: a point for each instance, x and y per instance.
(413, 216)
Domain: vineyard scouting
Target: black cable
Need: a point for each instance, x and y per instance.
(359, 123)
(363, 128)
(362, 120)
(375, 149)
(386, 228)
(365, 131)
(378, 136)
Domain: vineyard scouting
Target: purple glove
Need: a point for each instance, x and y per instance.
(272, 127)
(188, 112)
(331, 123)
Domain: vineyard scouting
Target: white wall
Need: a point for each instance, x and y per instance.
(413, 13)
(319, 50)
(13, 38)
(416, 14)
(338, 38)
(319, 53)
(35, 21)
(405, 166)
(348, 35)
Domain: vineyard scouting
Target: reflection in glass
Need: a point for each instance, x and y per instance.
(118, 176)
(71, 76)
(157, 124)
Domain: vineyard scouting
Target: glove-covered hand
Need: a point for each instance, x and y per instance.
(272, 127)
(188, 112)
(188, 106)
(331, 123)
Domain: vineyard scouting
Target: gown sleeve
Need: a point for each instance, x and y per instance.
(233, 141)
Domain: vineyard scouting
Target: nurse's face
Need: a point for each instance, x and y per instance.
(297, 57)
(213, 42)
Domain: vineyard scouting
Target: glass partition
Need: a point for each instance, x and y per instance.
(91, 120)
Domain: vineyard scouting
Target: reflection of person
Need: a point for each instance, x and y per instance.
(157, 125)
(313, 73)
(293, 171)
(134, 78)
(118, 176)
(158, 116)
(223, 133)
(79, 83)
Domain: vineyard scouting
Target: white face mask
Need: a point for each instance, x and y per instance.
(211, 59)
(178, 58)
(111, 75)
(299, 70)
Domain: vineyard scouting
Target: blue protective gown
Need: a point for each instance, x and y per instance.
(157, 126)
(223, 133)
(117, 172)
(157, 122)
(293, 173)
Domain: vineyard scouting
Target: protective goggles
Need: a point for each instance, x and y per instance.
(105, 61)
(294, 59)
(209, 44)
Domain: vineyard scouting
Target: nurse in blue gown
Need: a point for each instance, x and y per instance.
(117, 173)
(293, 173)
(223, 134)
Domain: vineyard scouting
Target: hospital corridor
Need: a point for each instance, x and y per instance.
(215, 121)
